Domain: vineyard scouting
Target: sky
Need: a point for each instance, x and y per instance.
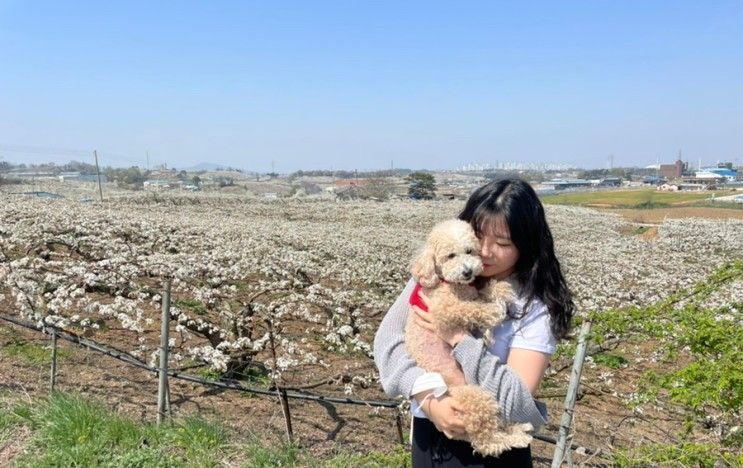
(368, 85)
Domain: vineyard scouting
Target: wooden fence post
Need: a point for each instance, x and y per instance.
(164, 338)
(287, 415)
(53, 376)
(563, 439)
(283, 399)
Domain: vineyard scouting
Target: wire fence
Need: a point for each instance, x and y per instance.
(563, 443)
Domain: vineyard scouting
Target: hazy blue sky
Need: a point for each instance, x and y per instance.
(360, 84)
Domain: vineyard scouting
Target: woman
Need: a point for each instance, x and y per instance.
(516, 242)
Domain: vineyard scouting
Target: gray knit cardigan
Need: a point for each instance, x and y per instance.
(398, 371)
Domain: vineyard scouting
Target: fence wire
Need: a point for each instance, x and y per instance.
(133, 361)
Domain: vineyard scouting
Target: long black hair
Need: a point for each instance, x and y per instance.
(537, 269)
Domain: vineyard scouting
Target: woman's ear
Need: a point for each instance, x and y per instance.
(424, 268)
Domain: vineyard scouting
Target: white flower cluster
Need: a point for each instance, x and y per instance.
(311, 269)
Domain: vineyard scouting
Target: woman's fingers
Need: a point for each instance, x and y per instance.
(422, 314)
(423, 319)
(424, 298)
(446, 415)
(457, 407)
(455, 435)
(454, 431)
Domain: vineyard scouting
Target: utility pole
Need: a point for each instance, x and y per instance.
(98, 172)
(148, 160)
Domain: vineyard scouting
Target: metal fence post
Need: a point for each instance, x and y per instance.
(163, 383)
(398, 423)
(53, 376)
(567, 415)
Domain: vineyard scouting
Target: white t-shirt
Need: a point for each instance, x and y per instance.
(531, 331)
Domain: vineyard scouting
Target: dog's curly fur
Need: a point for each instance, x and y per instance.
(444, 268)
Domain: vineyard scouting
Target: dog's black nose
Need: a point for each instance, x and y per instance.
(467, 272)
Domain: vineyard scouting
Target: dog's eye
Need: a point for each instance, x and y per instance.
(451, 255)
(469, 251)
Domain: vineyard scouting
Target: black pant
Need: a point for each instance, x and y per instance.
(432, 448)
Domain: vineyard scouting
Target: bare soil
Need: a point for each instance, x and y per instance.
(601, 420)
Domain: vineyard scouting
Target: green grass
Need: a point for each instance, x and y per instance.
(208, 373)
(68, 430)
(683, 454)
(28, 352)
(197, 307)
(398, 457)
(254, 377)
(71, 431)
(259, 455)
(697, 374)
(614, 361)
(641, 198)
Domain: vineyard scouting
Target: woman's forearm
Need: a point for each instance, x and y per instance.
(486, 370)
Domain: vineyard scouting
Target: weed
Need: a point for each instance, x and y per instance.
(398, 457)
(71, 431)
(683, 454)
(705, 384)
(614, 361)
(259, 455)
(199, 439)
(32, 353)
(197, 307)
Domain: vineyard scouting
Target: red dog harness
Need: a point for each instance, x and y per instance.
(415, 296)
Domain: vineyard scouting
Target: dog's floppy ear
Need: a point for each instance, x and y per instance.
(424, 268)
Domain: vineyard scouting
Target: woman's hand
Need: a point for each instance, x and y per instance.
(445, 413)
(425, 320)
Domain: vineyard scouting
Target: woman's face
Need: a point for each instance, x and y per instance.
(499, 254)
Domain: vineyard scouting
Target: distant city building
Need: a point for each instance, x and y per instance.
(564, 184)
(157, 184)
(691, 187)
(610, 182)
(653, 180)
(512, 166)
(717, 173)
(672, 171)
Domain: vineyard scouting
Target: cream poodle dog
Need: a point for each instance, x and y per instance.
(445, 269)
